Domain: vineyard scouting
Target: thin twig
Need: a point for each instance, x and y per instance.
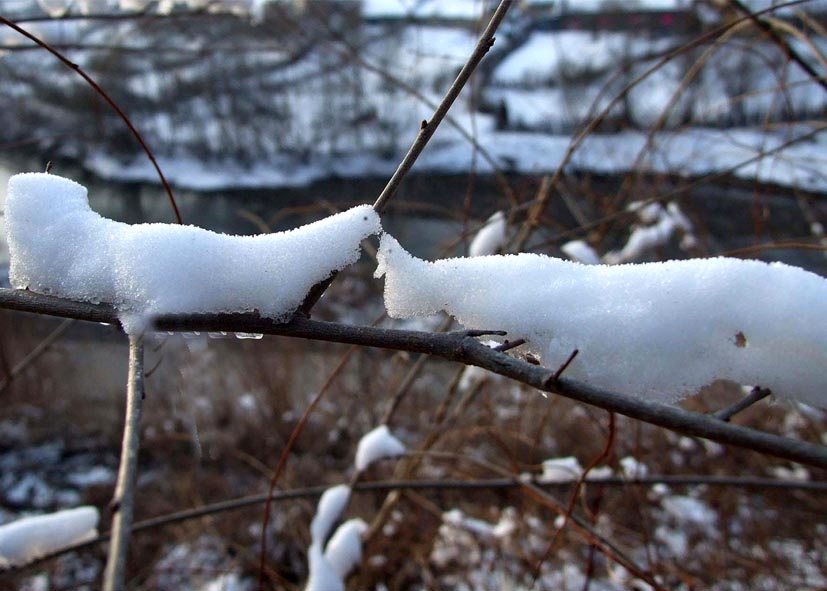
(285, 454)
(426, 131)
(782, 43)
(602, 457)
(123, 501)
(97, 88)
(428, 128)
(757, 393)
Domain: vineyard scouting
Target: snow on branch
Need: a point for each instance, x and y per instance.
(375, 445)
(659, 331)
(490, 239)
(30, 538)
(59, 246)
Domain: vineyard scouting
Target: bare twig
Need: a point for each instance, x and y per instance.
(426, 131)
(97, 88)
(429, 127)
(459, 346)
(758, 393)
(124, 498)
(285, 454)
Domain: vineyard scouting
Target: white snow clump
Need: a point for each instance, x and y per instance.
(490, 238)
(344, 550)
(323, 576)
(658, 330)
(59, 246)
(580, 251)
(561, 470)
(658, 225)
(375, 445)
(30, 538)
(331, 505)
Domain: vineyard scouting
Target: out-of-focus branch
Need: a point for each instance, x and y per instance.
(459, 346)
(782, 43)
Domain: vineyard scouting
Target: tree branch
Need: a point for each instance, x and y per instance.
(35, 353)
(459, 346)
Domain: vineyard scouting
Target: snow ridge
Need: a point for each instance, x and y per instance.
(59, 246)
(656, 330)
(30, 538)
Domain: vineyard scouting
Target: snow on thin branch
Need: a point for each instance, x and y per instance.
(659, 331)
(29, 538)
(59, 246)
(375, 445)
(491, 237)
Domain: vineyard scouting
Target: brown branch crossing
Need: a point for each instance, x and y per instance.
(459, 346)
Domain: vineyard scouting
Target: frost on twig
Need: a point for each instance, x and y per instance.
(59, 246)
(659, 331)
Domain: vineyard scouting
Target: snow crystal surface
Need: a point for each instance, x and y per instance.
(30, 538)
(491, 237)
(375, 445)
(331, 505)
(59, 246)
(344, 550)
(656, 330)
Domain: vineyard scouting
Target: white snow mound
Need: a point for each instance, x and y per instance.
(30, 538)
(658, 330)
(59, 246)
(375, 445)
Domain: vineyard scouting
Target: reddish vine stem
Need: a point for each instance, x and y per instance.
(603, 456)
(285, 454)
(97, 88)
